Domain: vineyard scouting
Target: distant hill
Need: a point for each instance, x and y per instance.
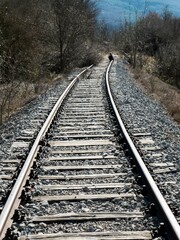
(114, 12)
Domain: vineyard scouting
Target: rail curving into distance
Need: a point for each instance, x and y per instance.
(166, 214)
(11, 203)
(171, 224)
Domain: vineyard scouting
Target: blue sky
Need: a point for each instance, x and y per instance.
(115, 11)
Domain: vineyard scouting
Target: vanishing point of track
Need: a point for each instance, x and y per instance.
(83, 157)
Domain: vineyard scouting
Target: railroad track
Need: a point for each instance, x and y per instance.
(83, 177)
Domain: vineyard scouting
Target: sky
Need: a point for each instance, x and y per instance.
(114, 12)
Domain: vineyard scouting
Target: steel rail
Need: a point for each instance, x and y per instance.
(171, 223)
(8, 211)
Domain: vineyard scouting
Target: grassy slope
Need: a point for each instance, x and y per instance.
(167, 95)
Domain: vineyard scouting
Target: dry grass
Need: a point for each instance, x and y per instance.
(166, 94)
(24, 93)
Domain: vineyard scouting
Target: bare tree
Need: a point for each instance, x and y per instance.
(31, 31)
(73, 23)
(17, 59)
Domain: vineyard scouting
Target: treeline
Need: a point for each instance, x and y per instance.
(39, 37)
(48, 33)
(153, 35)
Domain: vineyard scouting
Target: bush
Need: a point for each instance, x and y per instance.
(157, 36)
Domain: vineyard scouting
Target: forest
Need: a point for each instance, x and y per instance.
(154, 35)
(39, 38)
(42, 38)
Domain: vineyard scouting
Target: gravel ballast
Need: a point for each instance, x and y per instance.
(141, 113)
(26, 117)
